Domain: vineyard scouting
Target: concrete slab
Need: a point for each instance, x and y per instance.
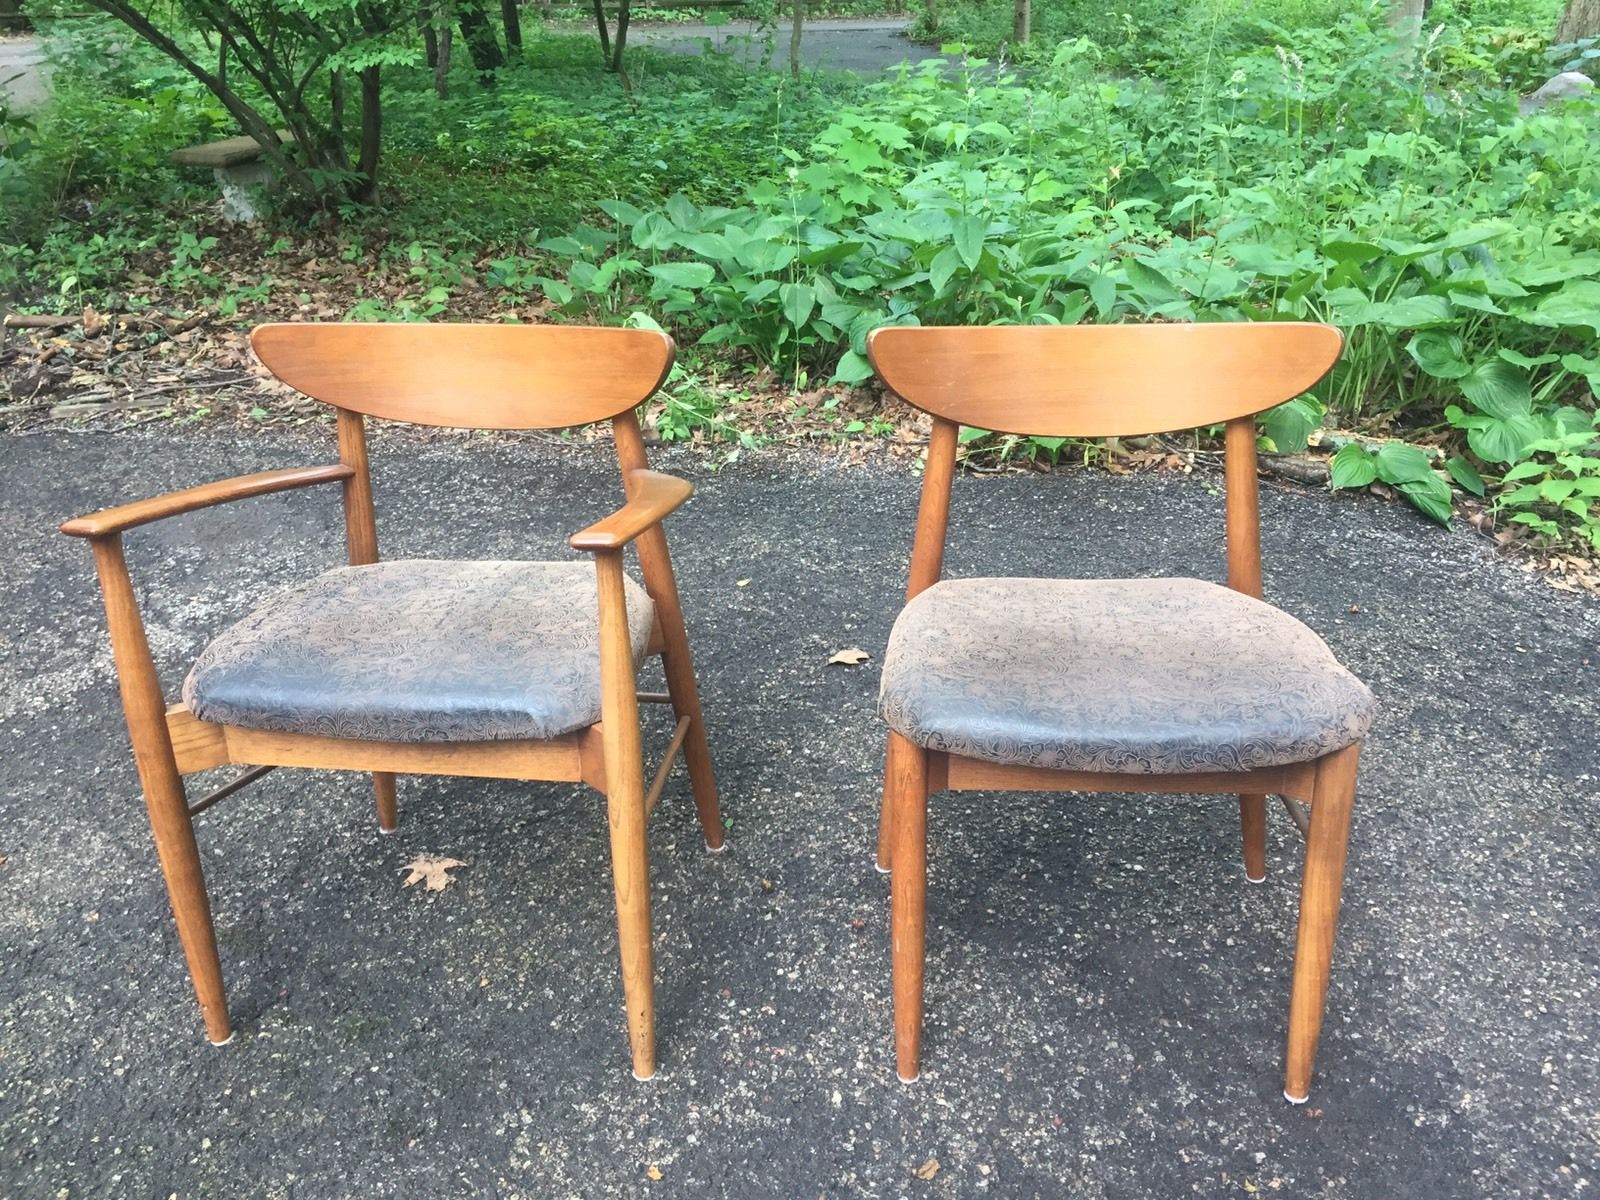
(24, 74)
(1106, 993)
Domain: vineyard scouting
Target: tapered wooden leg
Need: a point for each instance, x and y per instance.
(1333, 797)
(908, 788)
(885, 859)
(388, 809)
(163, 787)
(630, 855)
(679, 670)
(1253, 822)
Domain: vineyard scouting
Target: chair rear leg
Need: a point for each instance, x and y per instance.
(679, 670)
(907, 787)
(1333, 796)
(885, 859)
(1253, 823)
(388, 807)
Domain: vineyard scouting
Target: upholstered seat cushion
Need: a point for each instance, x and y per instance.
(418, 651)
(1137, 676)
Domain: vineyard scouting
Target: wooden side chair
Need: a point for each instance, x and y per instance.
(1127, 685)
(506, 670)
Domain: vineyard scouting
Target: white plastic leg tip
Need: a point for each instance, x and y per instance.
(1296, 1099)
(710, 849)
(881, 870)
(644, 1078)
(1258, 882)
(225, 1040)
(903, 1079)
(388, 832)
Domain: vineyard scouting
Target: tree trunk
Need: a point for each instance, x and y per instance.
(430, 36)
(511, 18)
(446, 38)
(1021, 21)
(795, 30)
(930, 11)
(605, 33)
(366, 190)
(621, 40)
(1406, 16)
(1581, 20)
(12, 19)
(479, 36)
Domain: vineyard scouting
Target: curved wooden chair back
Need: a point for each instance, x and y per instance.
(1099, 381)
(473, 376)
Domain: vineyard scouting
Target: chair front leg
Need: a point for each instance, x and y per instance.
(906, 786)
(1333, 797)
(164, 796)
(623, 748)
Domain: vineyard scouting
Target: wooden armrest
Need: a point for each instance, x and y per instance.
(652, 496)
(110, 521)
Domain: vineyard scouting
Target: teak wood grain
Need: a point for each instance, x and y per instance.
(1100, 380)
(471, 376)
(142, 512)
(487, 376)
(1085, 381)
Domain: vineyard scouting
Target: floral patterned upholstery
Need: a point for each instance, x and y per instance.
(418, 651)
(1135, 676)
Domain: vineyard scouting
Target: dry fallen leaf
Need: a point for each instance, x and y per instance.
(654, 1172)
(431, 871)
(928, 1169)
(741, 583)
(850, 656)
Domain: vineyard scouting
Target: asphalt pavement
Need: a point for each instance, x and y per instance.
(1106, 994)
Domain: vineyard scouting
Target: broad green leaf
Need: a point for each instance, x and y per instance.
(1150, 284)
(1291, 423)
(1103, 291)
(1504, 441)
(1438, 353)
(1431, 496)
(683, 274)
(798, 300)
(945, 264)
(1352, 467)
(621, 211)
(1498, 388)
(1465, 474)
(852, 368)
(1400, 464)
(968, 235)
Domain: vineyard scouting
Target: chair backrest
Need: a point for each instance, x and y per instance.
(474, 376)
(1100, 381)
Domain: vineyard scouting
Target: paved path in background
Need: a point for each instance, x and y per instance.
(22, 72)
(1106, 994)
(865, 47)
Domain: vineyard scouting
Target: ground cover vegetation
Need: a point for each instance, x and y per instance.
(1288, 159)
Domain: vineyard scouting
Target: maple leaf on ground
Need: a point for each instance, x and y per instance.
(431, 871)
(850, 656)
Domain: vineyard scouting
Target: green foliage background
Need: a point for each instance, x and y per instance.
(1290, 159)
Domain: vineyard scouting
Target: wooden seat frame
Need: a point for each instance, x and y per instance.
(1103, 381)
(497, 377)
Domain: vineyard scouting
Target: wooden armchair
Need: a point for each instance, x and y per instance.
(1127, 685)
(510, 670)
